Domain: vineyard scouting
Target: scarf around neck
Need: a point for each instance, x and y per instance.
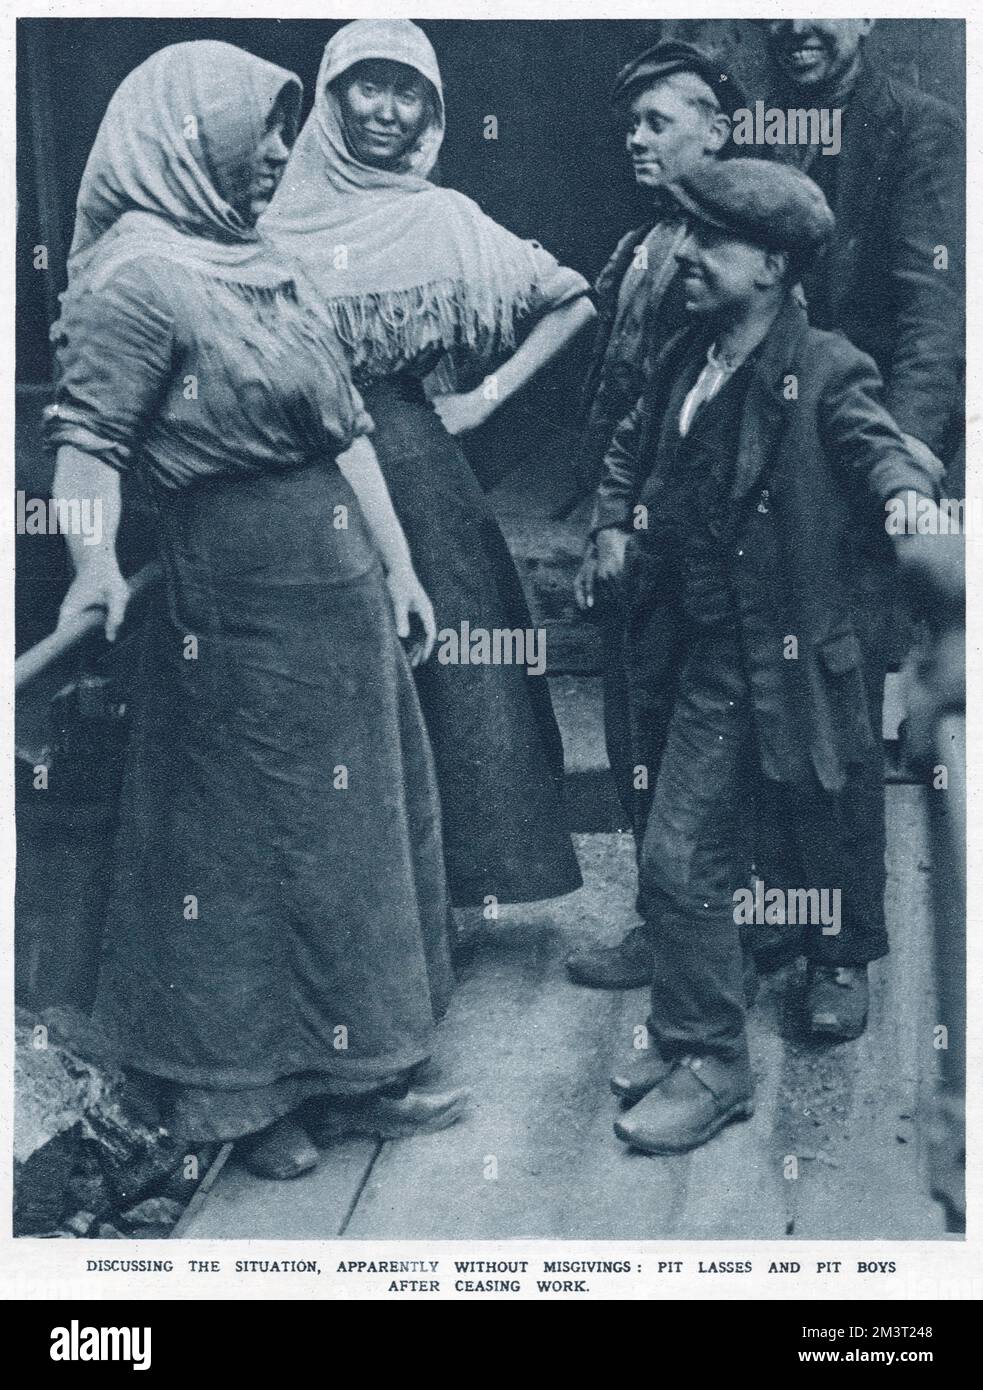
(393, 260)
(176, 144)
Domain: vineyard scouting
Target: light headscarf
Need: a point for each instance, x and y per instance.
(391, 258)
(175, 146)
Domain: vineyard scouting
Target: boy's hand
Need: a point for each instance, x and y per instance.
(933, 564)
(583, 584)
(611, 544)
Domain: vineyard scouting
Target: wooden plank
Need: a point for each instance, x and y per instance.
(201, 1194)
(863, 1098)
(313, 1207)
(538, 1158)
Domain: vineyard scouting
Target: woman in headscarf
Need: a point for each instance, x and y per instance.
(276, 933)
(414, 277)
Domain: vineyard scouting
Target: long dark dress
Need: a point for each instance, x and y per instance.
(494, 735)
(495, 739)
(277, 925)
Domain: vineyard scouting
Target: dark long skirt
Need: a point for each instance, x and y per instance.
(278, 921)
(495, 739)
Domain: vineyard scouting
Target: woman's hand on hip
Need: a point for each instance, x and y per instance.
(463, 411)
(413, 611)
(99, 584)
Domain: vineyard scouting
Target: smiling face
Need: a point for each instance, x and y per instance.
(671, 125)
(384, 107)
(722, 275)
(815, 53)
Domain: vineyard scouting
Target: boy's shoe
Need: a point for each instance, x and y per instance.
(642, 1070)
(625, 966)
(837, 1000)
(695, 1102)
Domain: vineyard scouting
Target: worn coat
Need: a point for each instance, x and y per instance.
(817, 457)
(897, 189)
(623, 351)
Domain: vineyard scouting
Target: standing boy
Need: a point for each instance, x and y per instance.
(756, 455)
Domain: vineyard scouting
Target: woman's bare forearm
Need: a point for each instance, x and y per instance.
(550, 335)
(82, 479)
(360, 466)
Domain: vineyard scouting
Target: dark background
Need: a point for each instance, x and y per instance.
(557, 171)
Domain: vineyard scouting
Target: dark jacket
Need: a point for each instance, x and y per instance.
(815, 465)
(618, 364)
(897, 188)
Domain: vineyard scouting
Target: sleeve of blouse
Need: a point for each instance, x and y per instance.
(114, 350)
(343, 414)
(556, 284)
(362, 421)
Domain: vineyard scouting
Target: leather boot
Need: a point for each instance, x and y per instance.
(625, 966)
(641, 1071)
(282, 1151)
(384, 1117)
(695, 1102)
(837, 1000)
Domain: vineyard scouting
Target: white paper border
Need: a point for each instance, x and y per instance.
(947, 1269)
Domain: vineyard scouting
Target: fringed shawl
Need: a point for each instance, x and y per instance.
(397, 264)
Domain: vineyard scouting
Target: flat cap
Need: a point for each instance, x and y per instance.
(670, 56)
(758, 200)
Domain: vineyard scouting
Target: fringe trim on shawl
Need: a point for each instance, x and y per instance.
(395, 326)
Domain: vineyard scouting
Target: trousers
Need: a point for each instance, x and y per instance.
(712, 815)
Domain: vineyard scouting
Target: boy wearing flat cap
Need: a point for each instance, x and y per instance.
(756, 458)
(676, 102)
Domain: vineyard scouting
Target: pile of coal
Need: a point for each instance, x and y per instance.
(89, 1159)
